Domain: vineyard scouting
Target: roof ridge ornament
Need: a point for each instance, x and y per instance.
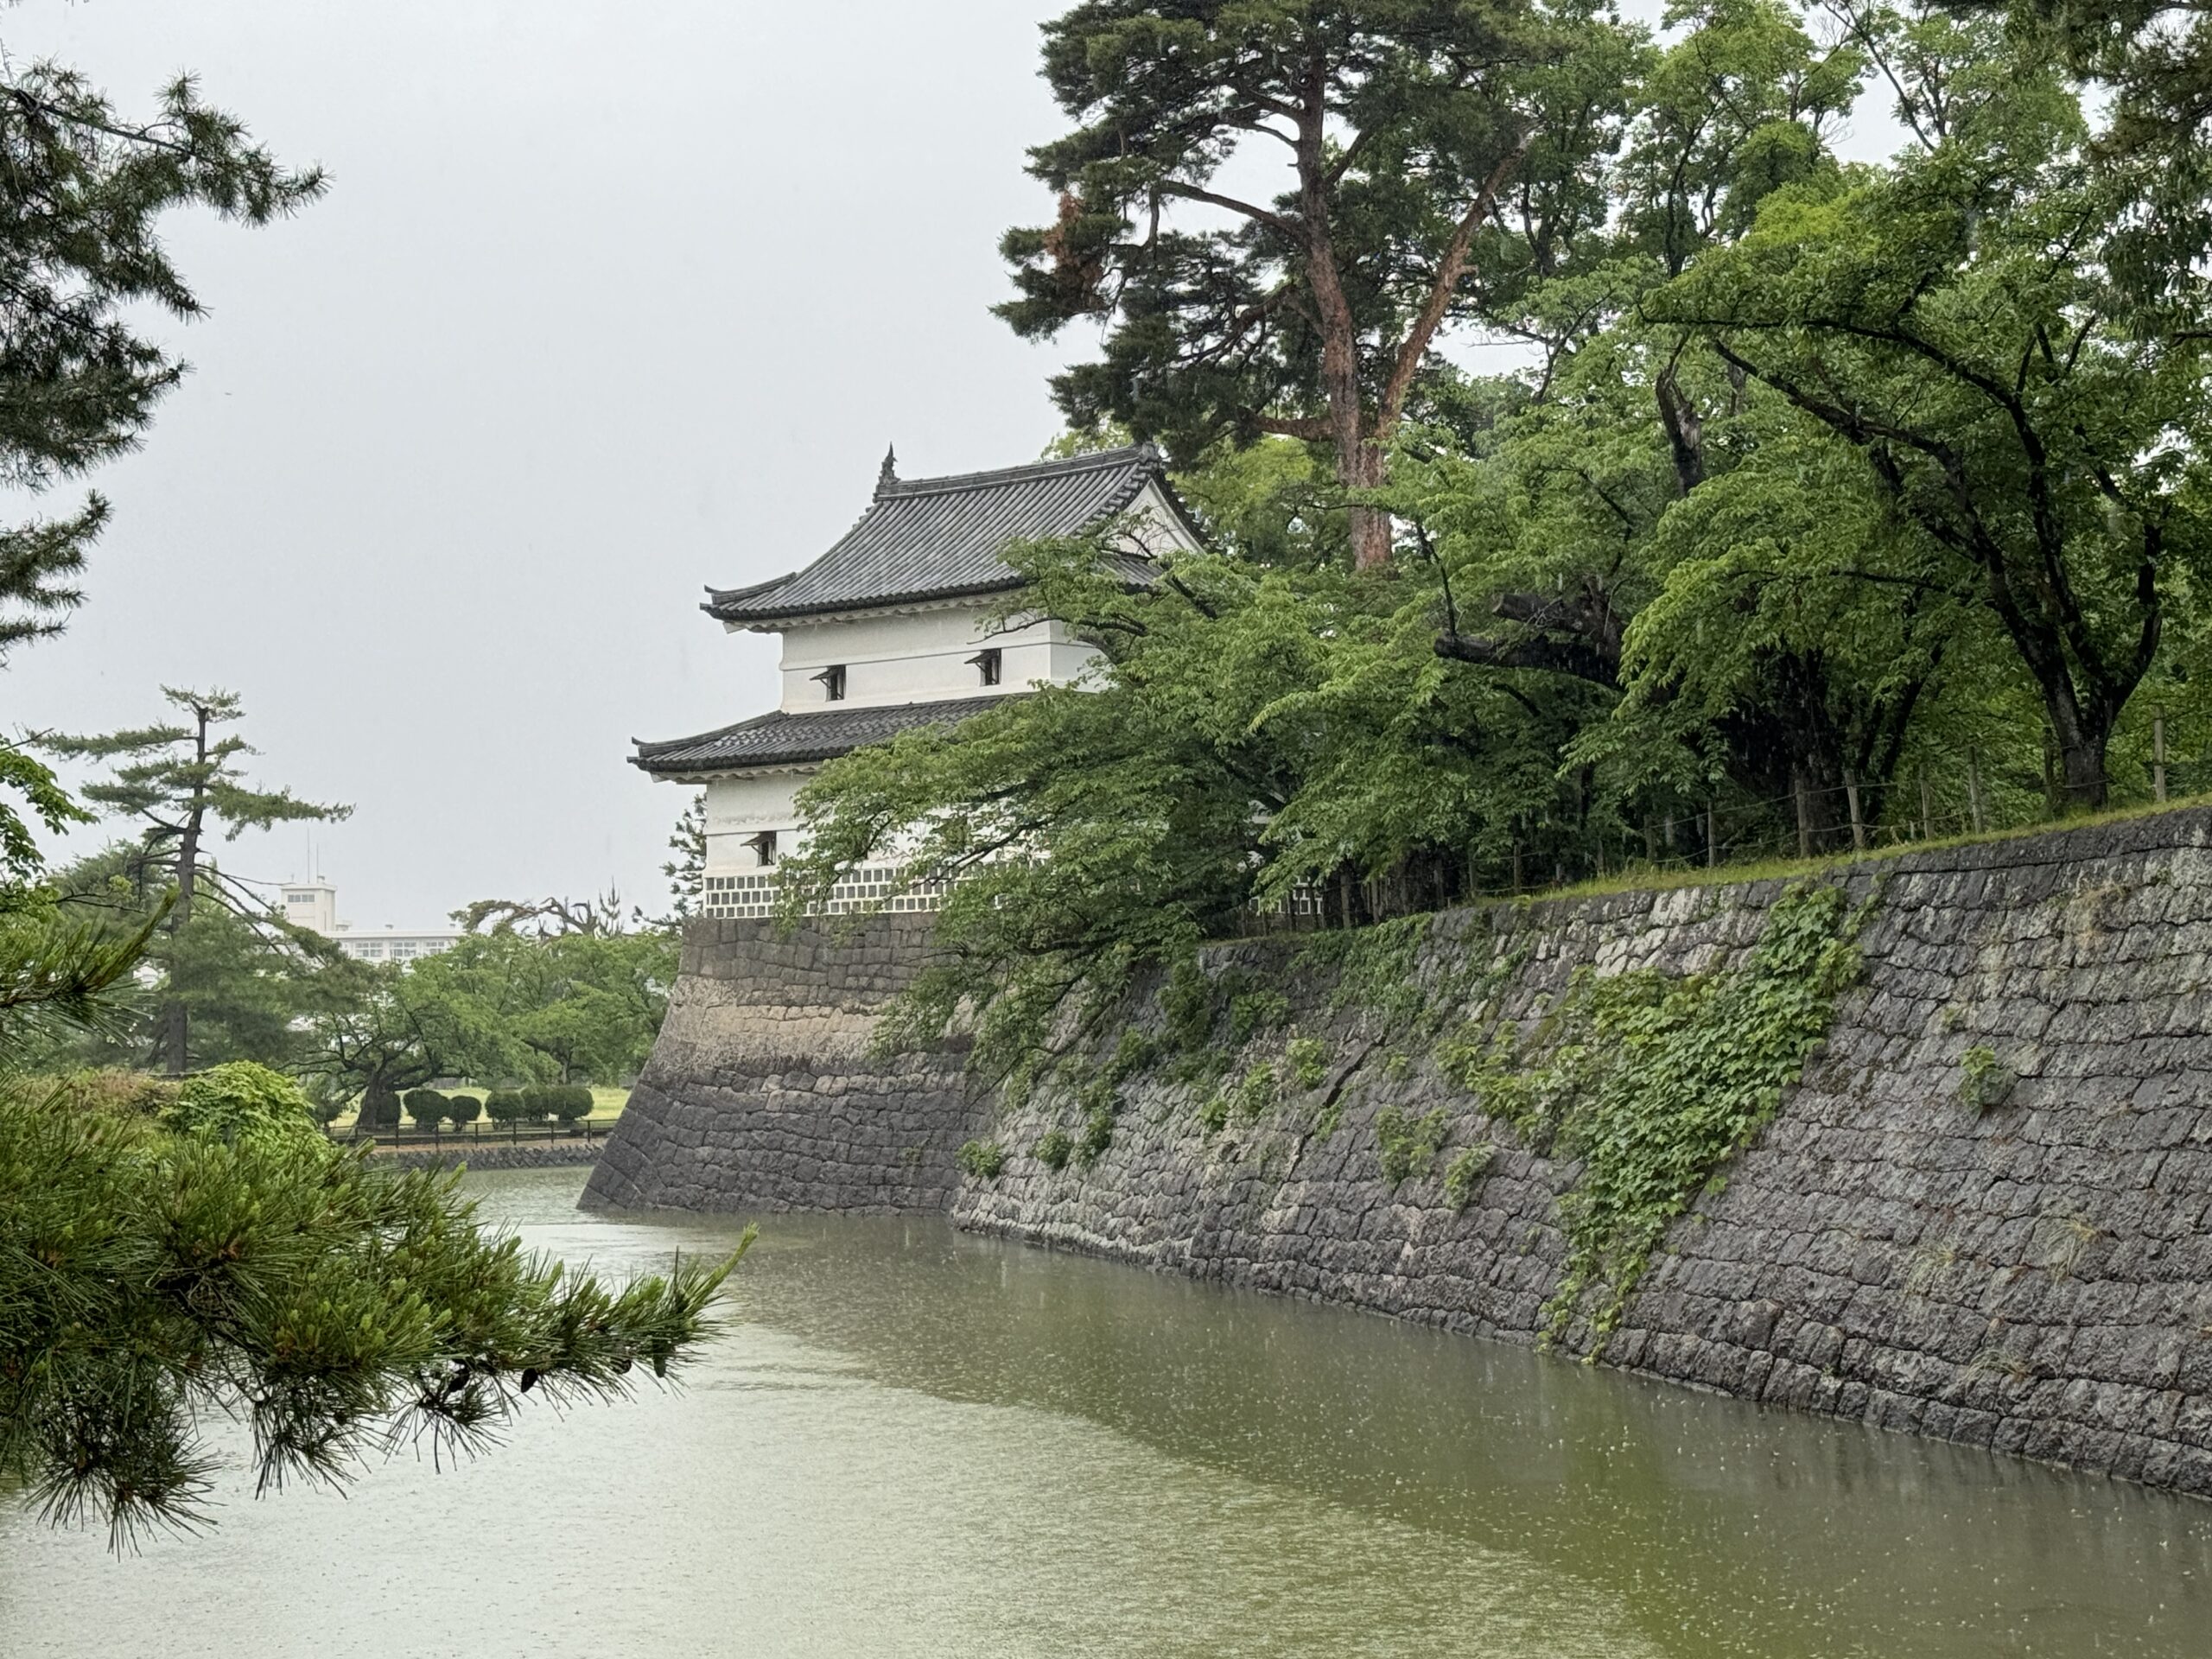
(889, 474)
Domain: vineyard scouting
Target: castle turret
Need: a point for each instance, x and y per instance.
(887, 632)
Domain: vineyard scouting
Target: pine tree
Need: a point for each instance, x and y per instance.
(182, 780)
(687, 871)
(1438, 156)
(82, 189)
(170, 1255)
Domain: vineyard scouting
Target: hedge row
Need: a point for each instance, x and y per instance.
(563, 1102)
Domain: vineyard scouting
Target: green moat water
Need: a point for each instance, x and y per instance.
(916, 1443)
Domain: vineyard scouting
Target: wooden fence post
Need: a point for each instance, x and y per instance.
(1858, 824)
(1712, 836)
(1804, 812)
(2159, 755)
(1974, 789)
(1927, 812)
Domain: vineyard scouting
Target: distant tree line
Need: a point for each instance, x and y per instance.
(545, 992)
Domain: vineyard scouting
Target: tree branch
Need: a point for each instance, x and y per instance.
(1265, 216)
(1449, 270)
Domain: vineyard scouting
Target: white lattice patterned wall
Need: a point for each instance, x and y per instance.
(755, 895)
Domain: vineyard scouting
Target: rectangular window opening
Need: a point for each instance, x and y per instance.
(833, 682)
(987, 665)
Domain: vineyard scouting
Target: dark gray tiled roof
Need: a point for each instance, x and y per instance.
(944, 537)
(782, 740)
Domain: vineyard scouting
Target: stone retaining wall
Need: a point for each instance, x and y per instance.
(490, 1155)
(2035, 1278)
(762, 1093)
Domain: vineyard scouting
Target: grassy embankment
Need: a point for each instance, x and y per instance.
(1640, 877)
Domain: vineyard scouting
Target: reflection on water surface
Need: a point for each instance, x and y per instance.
(915, 1443)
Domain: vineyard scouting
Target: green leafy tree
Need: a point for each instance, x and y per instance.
(239, 1099)
(571, 1102)
(1819, 472)
(2149, 62)
(1743, 102)
(1955, 319)
(379, 1108)
(500, 1005)
(373, 1030)
(1249, 734)
(183, 781)
(1437, 156)
(1549, 520)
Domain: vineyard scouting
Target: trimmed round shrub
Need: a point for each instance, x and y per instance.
(503, 1106)
(536, 1103)
(426, 1107)
(462, 1110)
(570, 1102)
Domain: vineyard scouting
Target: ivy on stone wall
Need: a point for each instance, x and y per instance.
(1654, 1083)
(1376, 969)
(1406, 1147)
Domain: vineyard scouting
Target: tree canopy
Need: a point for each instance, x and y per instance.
(1431, 159)
(181, 781)
(1826, 500)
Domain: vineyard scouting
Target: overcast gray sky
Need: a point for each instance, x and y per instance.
(606, 301)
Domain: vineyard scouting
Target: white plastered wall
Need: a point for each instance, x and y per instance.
(918, 656)
(917, 653)
(738, 809)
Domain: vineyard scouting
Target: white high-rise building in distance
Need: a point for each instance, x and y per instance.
(312, 905)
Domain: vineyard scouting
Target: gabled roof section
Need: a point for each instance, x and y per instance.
(782, 740)
(945, 537)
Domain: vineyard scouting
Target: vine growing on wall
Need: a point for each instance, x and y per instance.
(1654, 1083)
